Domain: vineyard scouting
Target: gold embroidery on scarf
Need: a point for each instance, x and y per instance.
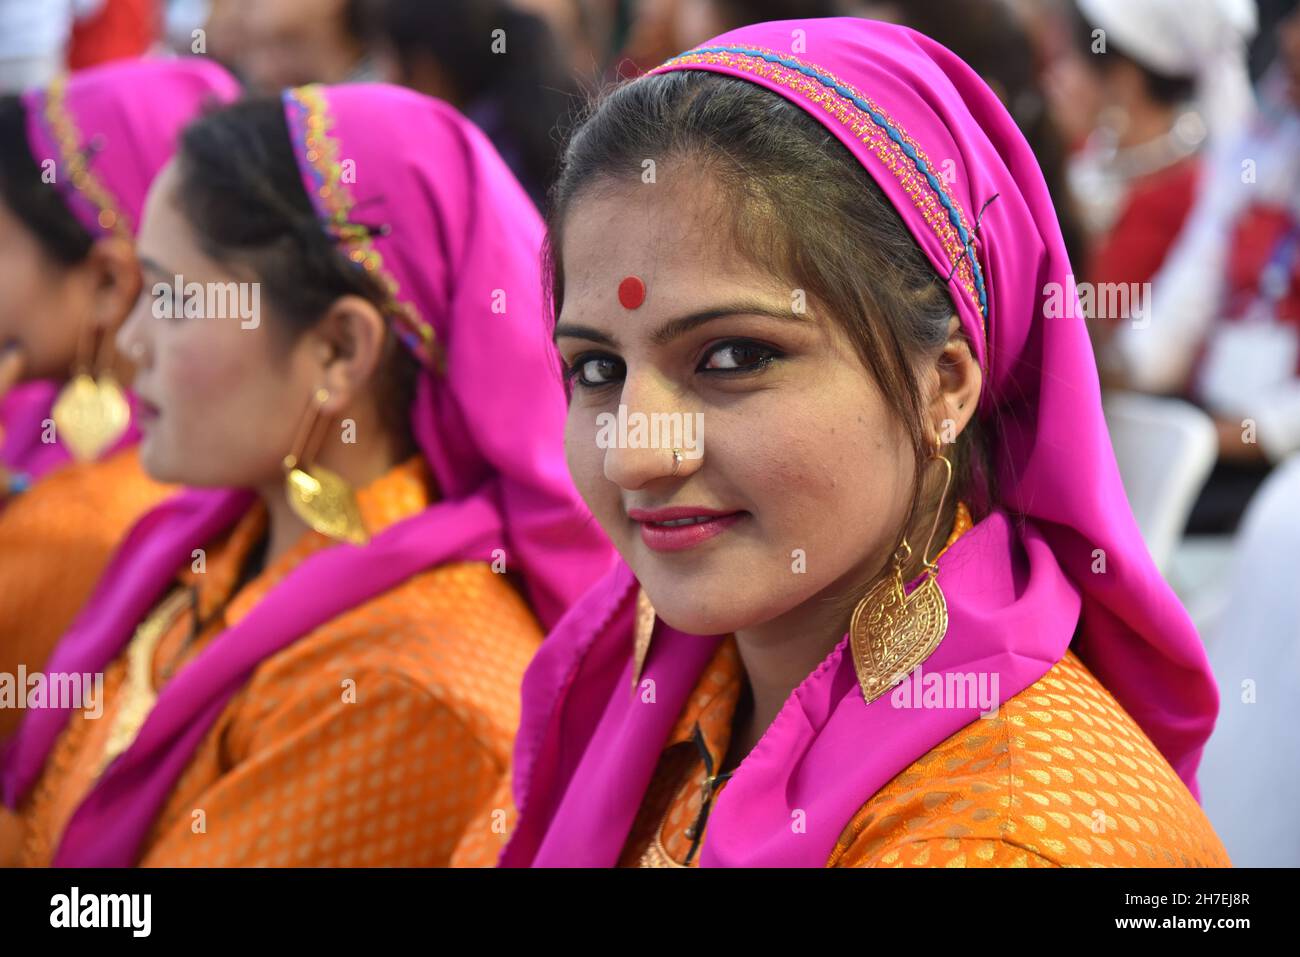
(864, 128)
(72, 156)
(321, 150)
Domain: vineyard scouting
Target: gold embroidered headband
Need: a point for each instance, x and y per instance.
(311, 126)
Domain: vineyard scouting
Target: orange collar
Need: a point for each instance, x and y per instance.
(403, 491)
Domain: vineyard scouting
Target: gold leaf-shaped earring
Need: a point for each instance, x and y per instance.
(91, 412)
(892, 632)
(90, 415)
(321, 498)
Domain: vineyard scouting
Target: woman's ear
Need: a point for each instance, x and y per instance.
(960, 380)
(112, 272)
(351, 340)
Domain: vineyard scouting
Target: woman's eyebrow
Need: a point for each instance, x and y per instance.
(571, 331)
(678, 327)
(675, 328)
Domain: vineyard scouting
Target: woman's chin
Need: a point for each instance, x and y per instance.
(698, 615)
(161, 465)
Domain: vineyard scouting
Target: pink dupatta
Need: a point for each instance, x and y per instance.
(1020, 585)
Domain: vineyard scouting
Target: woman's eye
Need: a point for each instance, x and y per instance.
(738, 356)
(592, 372)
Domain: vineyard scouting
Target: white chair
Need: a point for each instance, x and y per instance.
(1166, 449)
(1250, 773)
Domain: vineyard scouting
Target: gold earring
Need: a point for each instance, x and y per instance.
(677, 460)
(892, 632)
(321, 498)
(91, 412)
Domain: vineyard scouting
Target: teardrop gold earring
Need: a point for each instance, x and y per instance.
(321, 498)
(892, 632)
(91, 412)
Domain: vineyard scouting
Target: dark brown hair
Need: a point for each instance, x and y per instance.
(805, 208)
(35, 203)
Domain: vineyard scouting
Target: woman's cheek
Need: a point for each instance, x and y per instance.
(839, 467)
(203, 378)
(586, 462)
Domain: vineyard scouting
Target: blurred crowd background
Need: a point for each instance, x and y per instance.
(1168, 132)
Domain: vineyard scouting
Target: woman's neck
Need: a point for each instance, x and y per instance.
(358, 464)
(779, 654)
(1146, 123)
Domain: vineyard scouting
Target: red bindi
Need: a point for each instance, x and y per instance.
(631, 292)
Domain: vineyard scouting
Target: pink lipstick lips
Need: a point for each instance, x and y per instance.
(681, 527)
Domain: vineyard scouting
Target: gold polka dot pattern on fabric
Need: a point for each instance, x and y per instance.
(486, 835)
(1061, 777)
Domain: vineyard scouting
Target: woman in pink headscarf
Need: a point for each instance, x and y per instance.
(76, 160)
(313, 657)
(837, 266)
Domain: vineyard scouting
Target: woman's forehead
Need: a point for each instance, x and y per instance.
(670, 240)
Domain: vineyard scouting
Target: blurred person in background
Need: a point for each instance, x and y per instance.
(377, 492)
(697, 20)
(514, 85)
(69, 276)
(33, 41)
(292, 42)
(1225, 312)
(41, 38)
(225, 30)
(651, 36)
(585, 29)
(1174, 81)
(110, 30)
(990, 36)
(663, 28)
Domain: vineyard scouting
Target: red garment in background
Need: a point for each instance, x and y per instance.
(1150, 219)
(120, 30)
(1254, 240)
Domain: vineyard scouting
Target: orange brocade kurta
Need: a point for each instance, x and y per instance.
(55, 541)
(371, 740)
(1059, 776)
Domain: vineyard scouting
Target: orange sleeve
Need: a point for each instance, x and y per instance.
(489, 830)
(11, 837)
(389, 779)
(55, 541)
(942, 852)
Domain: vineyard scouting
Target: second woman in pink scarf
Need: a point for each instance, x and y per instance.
(313, 657)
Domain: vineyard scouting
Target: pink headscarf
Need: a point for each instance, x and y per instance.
(108, 131)
(1019, 585)
(457, 242)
